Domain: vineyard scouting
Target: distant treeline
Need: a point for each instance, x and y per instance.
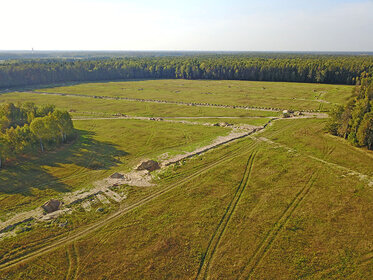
(27, 128)
(354, 121)
(338, 69)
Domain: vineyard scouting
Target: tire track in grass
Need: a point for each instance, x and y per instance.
(89, 229)
(73, 258)
(270, 237)
(105, 237)
(69, 259)
(366, 258)
(217, 235)
(77, 261)
(151, 136)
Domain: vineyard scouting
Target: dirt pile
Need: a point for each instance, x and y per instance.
(223, 124)
(117, 175)
(149, 165)
(52, 205)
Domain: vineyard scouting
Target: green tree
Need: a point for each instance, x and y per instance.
(4, 150)
(365, 132)
(335, 120)
(39, 129)
(64, 124)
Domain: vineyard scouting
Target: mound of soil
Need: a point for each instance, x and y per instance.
(117, 175)
(52, 205)
(223, 124)
(149, 165)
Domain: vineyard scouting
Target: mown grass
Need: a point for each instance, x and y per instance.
(102, 147)
(299, 96)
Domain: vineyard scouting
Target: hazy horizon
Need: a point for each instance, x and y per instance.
(216, 26)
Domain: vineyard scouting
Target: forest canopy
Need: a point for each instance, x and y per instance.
(354, 121)
(26, 128)
(336, 69)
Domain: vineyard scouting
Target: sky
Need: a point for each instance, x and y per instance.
(198, 25)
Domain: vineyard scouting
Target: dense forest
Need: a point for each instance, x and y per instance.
(338, 69)
(354, 121)
(26, 128)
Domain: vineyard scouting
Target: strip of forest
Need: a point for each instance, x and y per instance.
(332, 69)
(354, 121)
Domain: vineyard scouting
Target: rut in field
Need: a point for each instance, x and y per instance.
(365, 259)
(26, 256)
(73, 259)
(266, 243)
(217, 235)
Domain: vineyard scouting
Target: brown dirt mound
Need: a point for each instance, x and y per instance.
(52, 205)
(149, 165)
(117, 175)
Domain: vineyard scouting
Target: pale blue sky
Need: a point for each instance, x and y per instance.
(235, 25)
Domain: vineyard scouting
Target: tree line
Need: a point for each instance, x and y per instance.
(354, 121)
(337, 69)
(26, 128)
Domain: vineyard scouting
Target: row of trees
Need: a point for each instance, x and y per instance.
(354, 121)
(26, 127)
(291, 68)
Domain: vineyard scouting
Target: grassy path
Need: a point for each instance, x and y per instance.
(219, 232)
(265, 245)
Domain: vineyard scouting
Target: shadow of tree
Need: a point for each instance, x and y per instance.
(21, 176)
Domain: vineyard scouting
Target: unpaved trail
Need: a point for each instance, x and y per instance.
(79, 233)
(221, 140)
(266, 243)
(219, 232)
(350, 172)
(73, 259)
(134, 178)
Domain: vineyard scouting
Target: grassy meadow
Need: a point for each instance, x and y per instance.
(288, 202)
(297, 96)
(90, 106)
(267, 212)
(102, 147)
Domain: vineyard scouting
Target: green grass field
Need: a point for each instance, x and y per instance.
(288, 202)
(103, 147)
(295, 96)
(89, 106)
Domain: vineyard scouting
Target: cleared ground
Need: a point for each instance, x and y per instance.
(287, 202)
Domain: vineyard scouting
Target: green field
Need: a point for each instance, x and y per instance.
(295, 96)
(89, 106)
(103, 147)
(287, 202)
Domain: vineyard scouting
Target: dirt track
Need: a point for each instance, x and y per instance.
(85, 231)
